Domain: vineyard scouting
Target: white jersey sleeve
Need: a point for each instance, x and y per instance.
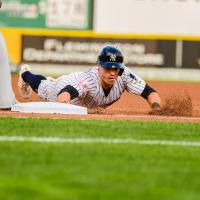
(134, 84)
(83, 84)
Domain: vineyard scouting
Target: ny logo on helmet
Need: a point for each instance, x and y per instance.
(112, 57)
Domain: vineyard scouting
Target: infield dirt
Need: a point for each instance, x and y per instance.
(181, 100)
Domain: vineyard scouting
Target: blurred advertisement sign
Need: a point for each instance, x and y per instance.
(191, 54)
(148, 16)
(59, 14)
(82, 51)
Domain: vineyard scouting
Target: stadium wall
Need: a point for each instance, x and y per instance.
(148, 41)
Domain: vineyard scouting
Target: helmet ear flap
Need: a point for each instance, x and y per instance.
(121, 72)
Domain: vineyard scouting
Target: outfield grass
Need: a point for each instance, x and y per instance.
(73, 171)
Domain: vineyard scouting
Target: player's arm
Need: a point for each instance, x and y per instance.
(152, 97)
(67, 93)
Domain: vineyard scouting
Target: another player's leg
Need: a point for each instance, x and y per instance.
(28, 81)
(7, 96)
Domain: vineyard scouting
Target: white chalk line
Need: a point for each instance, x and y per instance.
(99, 140)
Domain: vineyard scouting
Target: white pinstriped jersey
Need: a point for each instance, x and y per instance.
(91, 94)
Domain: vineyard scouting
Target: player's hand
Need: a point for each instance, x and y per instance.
(154, 101)
(64, 97)
(155, 106)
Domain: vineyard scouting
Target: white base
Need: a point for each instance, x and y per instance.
(49, 107)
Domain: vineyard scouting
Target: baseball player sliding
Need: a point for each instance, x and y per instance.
(100, 86)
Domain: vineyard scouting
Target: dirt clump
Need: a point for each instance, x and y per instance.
(175, 105)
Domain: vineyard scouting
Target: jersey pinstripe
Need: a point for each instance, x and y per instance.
(91, 93)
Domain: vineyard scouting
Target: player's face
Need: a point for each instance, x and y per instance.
(108, 76)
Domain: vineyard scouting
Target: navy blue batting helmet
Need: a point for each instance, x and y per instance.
(110, 57)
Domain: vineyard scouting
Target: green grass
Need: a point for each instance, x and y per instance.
(69, 171)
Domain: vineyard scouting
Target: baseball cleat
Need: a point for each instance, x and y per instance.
(23, 87)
